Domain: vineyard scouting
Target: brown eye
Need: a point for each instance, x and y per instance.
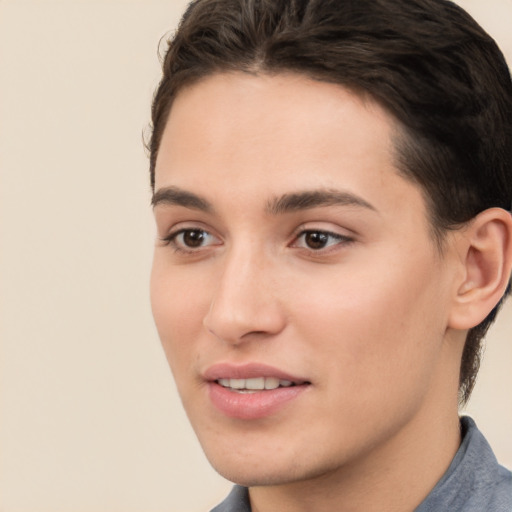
(193, 237)
(316, 239)
(191, 240)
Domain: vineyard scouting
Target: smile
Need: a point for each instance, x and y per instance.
(252, 391)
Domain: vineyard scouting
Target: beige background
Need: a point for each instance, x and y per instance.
(89, 417)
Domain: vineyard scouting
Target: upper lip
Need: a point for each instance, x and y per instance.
(248, 371)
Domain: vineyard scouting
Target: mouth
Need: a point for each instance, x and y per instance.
(252, 391)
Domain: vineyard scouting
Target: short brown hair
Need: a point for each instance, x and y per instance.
(426, 61)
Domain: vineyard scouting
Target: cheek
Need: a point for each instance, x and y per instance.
(178, 307)
(370, 327)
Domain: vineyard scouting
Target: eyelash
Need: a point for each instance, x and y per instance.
(183, 248)
(339, 239)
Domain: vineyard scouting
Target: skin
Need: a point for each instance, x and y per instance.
(366, 319)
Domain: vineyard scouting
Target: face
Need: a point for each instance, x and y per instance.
(299, 296)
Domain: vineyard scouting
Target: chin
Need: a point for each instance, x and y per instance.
(251, 463)
(255, 465)
(254, 475)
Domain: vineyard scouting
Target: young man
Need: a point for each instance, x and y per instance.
(332, 183)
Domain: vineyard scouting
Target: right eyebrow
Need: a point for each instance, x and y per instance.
(179, 197)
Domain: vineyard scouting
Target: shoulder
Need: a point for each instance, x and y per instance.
(474, 481)
(237, 501)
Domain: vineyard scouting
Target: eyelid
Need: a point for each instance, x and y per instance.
(171, 227)
(342, 238)
(170, 238)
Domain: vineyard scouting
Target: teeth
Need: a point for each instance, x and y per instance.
(271, 383)
(237, 383)
(255, 383)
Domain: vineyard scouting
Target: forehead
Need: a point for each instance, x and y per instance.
(253, 135)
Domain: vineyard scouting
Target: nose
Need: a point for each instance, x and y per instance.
(244, 305)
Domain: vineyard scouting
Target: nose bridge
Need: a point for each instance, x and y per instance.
(244, 302)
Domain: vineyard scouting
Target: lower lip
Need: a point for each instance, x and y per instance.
(250, 406)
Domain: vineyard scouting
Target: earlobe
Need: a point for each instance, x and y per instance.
(487, 259)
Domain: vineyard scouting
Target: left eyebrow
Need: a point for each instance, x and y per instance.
(313, 199)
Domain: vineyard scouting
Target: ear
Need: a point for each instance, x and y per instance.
(486, 255)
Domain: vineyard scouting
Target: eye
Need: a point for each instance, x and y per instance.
(190, 239)
(317, 240)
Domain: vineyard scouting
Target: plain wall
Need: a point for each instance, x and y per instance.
(89, 419)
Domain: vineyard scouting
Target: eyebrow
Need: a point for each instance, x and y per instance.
(286, 203)
(313, 199)
(177, 196)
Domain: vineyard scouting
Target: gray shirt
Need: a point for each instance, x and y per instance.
(474, 482)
